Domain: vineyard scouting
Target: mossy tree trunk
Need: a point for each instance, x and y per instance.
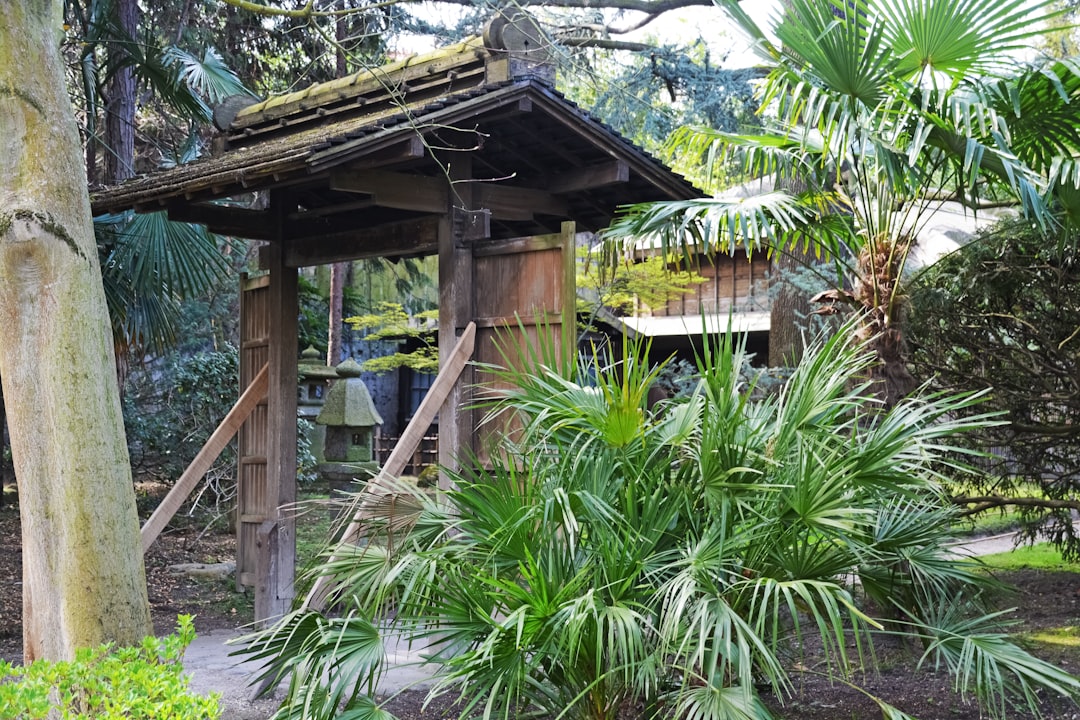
(83, 578)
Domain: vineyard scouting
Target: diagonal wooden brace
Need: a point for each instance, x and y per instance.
(252, 396)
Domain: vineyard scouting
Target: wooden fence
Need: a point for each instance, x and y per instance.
(425, 455)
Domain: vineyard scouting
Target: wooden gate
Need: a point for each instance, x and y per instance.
(252, 490)
(524, 296)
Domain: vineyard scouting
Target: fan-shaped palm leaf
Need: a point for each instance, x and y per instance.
(985, 662)
(148, 264)
(957, 38)
(208, 76)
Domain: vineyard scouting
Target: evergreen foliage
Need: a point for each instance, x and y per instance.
(391, 322)
(169, 414)
(1001, 315)
(647, 96)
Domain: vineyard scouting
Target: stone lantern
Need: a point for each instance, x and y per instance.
(314, 382)
(314, 377)
(350, 418)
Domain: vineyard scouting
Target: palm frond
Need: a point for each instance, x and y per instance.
(842, 49)
(1042, 111)
(330, 662)
(709, 701)
(960, 38)
(208, 76)
(984, 662)
(157, 254)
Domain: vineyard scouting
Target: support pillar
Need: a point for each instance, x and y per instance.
(462, 225)
(276, 537)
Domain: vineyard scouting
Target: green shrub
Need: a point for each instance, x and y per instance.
(678, 559)
(1001, 314)
(109, 683)
(169, 413)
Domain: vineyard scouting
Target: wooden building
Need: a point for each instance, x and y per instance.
(734, 293)
(468, 153)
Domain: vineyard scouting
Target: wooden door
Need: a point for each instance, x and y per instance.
(524, 296)
(252, 482)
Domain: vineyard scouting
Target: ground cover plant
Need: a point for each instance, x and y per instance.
(618, 560)
(108, 683)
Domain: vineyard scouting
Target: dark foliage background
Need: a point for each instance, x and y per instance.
(1003, 314)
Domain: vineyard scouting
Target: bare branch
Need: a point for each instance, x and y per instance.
(307, 11)
(652, 8)
(1045, 429)
(606, 44)
(982, 503)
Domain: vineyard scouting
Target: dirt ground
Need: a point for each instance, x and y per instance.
(1045, 601)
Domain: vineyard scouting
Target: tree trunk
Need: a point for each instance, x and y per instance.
(340, 32)
(339, 276)
(788, 310)
(790, 306)
(884, 319)
(120, 103)
(83, 578)
(3, 446)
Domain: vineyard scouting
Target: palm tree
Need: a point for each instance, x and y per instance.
(148, 262)
(674, 559)
(880, 111)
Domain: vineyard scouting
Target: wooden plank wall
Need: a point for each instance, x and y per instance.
(731, 284)
(524, 297)
(252, 484)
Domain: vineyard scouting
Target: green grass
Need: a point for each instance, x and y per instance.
(313, 526)
(1067, 637)
(991, 522)
(1041, 556)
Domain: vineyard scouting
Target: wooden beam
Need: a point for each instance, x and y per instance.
(225, 220)
(407, 237)
(409, 148)
(164, 512)
(507, 202)
(410, 439)
(401, 191)
(513, 246)
(330, 210)
(590, 178)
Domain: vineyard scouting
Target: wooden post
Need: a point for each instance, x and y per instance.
(164, 512)
(274, 592)
(267, 570)
(459, 228)
(449, 314)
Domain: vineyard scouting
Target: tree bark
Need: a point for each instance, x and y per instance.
(339, 276)
(789, 308)
(83, 577)
(340, 32)
(120, 104)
